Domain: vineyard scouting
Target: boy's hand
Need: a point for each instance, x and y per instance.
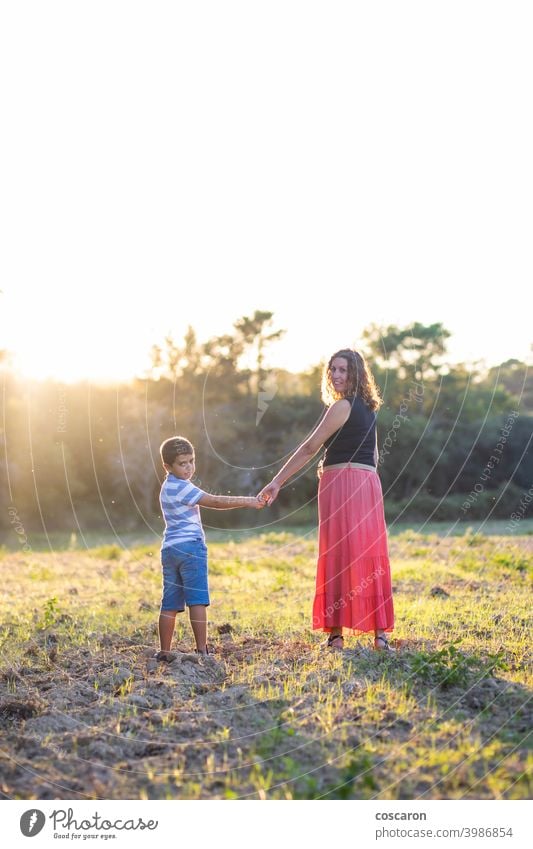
(269, 493)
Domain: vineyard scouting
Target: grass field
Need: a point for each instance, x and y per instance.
(77, 541)
(85, 712)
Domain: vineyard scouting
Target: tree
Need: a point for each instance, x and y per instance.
(253, 332)
(516, 377)
(173, 361)
(414, 351)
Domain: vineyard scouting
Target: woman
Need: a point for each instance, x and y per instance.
(353, 583)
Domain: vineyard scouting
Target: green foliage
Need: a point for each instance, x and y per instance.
(513, 560)
(449, 667)
(358, 771)
(473, 538)
(50, 613)
(107, 552)
(416, 349)
(90, 454)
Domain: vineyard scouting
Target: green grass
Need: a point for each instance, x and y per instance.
(128, 539)
(273, 716)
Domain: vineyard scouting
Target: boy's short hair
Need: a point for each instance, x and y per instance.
(173, 447)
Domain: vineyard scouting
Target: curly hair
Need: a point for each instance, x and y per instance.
(360, 381)
(173, 447)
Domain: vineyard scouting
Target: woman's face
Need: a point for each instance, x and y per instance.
(339, 374)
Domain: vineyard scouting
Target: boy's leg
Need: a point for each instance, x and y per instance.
(193, 572)
(198, 617)
(167, 621)
(172, 601)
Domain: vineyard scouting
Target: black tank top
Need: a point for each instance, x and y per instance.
(355, 441)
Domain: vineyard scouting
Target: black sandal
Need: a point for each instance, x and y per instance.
(386, 645)
(331, 640)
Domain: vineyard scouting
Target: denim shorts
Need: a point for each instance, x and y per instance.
(184, 575)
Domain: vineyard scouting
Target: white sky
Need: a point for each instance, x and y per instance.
(337, 163)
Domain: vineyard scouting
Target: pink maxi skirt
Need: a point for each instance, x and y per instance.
(353, 581)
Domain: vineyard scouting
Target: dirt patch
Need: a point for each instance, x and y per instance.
(19, 709)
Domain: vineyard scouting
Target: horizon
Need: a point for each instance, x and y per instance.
(480, 367)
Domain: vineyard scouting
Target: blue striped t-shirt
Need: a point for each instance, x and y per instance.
(179, 499)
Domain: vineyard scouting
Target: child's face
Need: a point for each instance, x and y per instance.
(183, 466)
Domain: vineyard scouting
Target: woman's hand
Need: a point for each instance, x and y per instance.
(269, 493)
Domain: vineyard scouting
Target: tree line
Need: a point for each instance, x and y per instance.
(454, 443)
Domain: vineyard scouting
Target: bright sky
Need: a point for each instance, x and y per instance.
(166, 164)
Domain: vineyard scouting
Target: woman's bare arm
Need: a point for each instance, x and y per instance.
(335, 417)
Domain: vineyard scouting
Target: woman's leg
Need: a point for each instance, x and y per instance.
(335, 639)
(381, 642)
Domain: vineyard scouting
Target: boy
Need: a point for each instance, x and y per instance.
(183, 551)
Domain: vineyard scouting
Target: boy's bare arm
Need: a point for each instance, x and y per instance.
(230, 502)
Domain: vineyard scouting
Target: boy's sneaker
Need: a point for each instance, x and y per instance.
(166, 656)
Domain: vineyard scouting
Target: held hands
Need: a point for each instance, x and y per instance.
(269, 493)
